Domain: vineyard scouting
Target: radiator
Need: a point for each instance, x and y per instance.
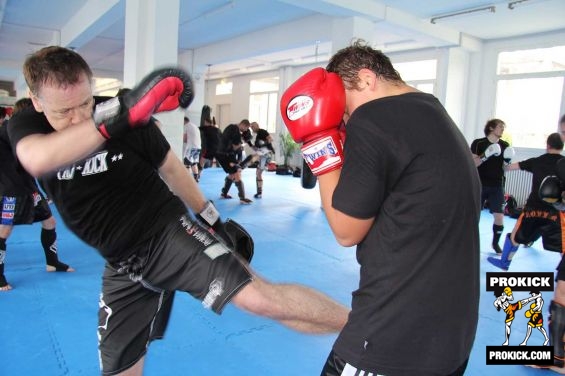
(518, 184)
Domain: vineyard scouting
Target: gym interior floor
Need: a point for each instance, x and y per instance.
(49, 320)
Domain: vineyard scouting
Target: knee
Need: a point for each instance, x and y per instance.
(49, 223)
(560, 293)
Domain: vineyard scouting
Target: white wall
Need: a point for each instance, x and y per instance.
(482, 97)
(465, 83)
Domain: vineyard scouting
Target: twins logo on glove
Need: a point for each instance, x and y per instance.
(322, 155)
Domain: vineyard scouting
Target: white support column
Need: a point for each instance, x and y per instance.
(151, 41)
(186, 60)
(344, 30)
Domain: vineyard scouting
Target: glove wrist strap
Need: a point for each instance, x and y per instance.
(209, 214)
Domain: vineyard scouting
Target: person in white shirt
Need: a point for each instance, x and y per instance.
(192, 146)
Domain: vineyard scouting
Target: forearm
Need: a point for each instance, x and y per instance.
(42, 153)
(181, 182)
(328, 183)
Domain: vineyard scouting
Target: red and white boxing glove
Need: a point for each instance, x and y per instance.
(164, 89)
(312, 109)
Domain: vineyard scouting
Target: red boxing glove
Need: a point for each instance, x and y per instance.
(164, 89)
(312, 109)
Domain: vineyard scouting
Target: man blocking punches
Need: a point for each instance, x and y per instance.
(383, 190)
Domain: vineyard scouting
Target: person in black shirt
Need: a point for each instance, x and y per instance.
(229, 157)
(118, 186)
(538, 218)
(263, 150)
(489, 154)
(411, 209)
(211, 138)
(23, 203)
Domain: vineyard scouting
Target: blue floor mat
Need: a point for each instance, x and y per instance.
(49, 320)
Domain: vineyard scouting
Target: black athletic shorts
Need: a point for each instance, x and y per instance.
(336, 366)
(24, 210)
(549, 224)
(137, 294)
(494, 196)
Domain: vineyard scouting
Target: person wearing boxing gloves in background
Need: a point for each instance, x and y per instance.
(411, 208)
(262, 153)
(118, 186)
(489, 154)
(539, 217)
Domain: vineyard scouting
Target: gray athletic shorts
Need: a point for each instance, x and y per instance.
(137, 294)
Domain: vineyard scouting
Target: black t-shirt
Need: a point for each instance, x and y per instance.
(14, 180)
(262, 140)
(491, 171)
(114, 199)
(416, 309)
(211, 138)
(541, 167)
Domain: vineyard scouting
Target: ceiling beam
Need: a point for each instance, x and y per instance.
(92, 19)
(370, 9)
(306, 31)
(420, 30)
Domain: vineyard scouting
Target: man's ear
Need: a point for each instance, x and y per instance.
(367, 78)
(35, 101)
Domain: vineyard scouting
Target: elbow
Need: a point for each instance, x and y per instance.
(347, 241)
(34, 170)
(33, 166)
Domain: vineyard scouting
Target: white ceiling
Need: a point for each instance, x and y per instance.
(270, 33)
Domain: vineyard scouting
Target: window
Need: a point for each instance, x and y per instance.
(263, 102)
(529, 92)
(224, 87)
(419, 74)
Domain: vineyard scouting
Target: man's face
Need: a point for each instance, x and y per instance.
(499, 130)
(243, 127)
(64, 106)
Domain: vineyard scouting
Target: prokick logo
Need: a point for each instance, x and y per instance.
(515, 292)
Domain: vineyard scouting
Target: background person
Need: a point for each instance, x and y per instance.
(488, 154)
(24, 203)
(192, 148)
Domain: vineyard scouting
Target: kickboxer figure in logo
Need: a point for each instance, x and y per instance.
(536, 318)
(503, 301)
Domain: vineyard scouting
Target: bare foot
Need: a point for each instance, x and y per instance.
(6, 287)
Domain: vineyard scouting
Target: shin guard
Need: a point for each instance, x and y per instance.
(227, 185)
(259, 186)
(496, 233)
(556, 331)
(49, 244)
(507, 254)
(3, 281)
